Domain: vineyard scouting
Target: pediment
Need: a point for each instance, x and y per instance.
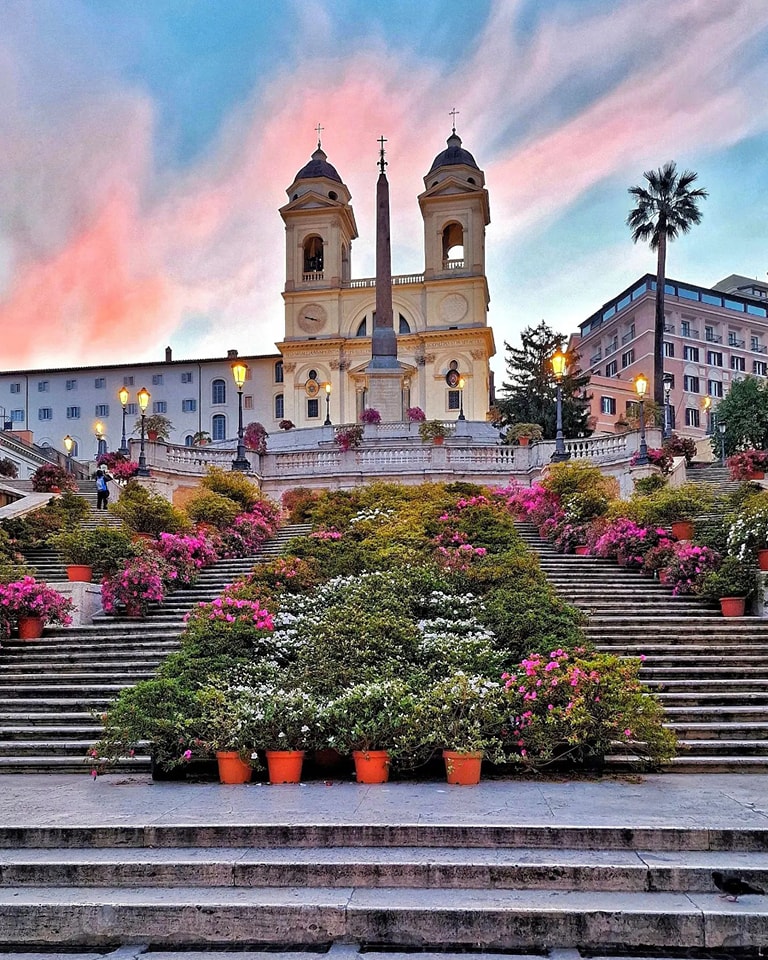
(312, 201)
(451, 187)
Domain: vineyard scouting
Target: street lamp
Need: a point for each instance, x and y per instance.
(641, 387)
(721, 430)
(143, 397)
(667, 431)
(68, 444)
(122, 395)
(99, 431)
(559, 362)
(327, 422)
(706, 404)
(240, 372)
(461, 399)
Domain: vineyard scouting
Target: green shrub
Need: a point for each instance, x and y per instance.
(146, 512)
(212, 508)
(645, 486)
(102, 548)
(233, 485)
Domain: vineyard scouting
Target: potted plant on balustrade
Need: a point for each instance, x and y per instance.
(434, 431)
(346, 438)
(731, 585)
(464, 716)
(98, 551)
(523, 433)
(157, 427)
(374, 722)
(748, 465)
(369, 415)
(32, 605)
(748, 535)
(415, 415)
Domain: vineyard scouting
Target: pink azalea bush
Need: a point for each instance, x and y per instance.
(28, 598)
(415, 415)
(657, 457)
(255, 437)
(187, 554)
(246, 536)
(228, 609)
(120, 468)
(743, 465)
(346, 438)
(369, 415)
(139, 582)
(689, 565)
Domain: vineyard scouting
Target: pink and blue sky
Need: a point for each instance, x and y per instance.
(146, 145)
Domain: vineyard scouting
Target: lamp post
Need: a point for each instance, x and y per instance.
(461, 399)
(240, 372)
(706, 404)
(68, 444)
(327, 421)
(667, 431)
(721, 430)
(122, 396)
(143, 397)
(559, 361)
(99, 432)
(641, 388)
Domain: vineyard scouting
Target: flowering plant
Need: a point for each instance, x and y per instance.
(749, 533)
(246, 536)
(231, 609)
(119, 467)
(743, 465)
(187, 554)
(28, 598)
(568, 536)
(255, 437)
(51, 475)
(466, 714)
(433, 430)
(369, 415)
(690, 564)
(415, 415)
(372, 716)
(139, 582)
(660, 556)
(286, 424)
(657, 457)
(347, 437)
(282, 719)
(625, 540)
(681, 447)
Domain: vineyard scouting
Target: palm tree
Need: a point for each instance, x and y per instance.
(666, 207)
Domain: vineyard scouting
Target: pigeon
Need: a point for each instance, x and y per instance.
(732, 887)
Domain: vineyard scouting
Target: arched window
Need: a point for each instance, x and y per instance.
(453, 244)
(218, 427)
(313, 255)
(404, 327)
(219, 391)
(279, 406)
(279, 374)
(75, 448)
(362, 330)
(189, 440)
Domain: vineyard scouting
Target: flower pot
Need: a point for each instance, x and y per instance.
(152, 435)
(581, 551)
(284, 766)
(371, 766)
(80, 573)
(438, 441)
(231, 768)
(462, 768)
(762, 559)
(756, 475)
(682, 529)
(523, 441)
(732, 606)
(663, 576)
(133, 611)
(31, 628)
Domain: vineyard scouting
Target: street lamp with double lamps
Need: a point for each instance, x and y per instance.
(122, 396)
(99, 431)
(240, 372)
(143, 397)
(327, 422)
(641, 388)
(721, 425)
(559, 362)
(68, 444)
(667, 382)
(461, 399)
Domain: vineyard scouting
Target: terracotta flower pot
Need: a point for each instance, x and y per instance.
(732, 606)
(438, 441)
(284, 766)
(762, 559)
(371, 766)
(80, 573)
(756, 475)
(152, 435)
(462, 768)
(523, 441)
(581, 551)
(231, 768)
(31, 628)
(682, 529)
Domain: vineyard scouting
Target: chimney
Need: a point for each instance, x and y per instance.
(231, 354)
(168, 354)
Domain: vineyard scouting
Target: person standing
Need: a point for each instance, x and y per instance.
(102, 491)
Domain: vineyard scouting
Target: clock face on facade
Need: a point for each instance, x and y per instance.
(453, 308)
(312, 318)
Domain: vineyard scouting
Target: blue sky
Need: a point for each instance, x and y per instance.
(146, 145)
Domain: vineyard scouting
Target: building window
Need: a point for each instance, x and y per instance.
(362, 329)
(157, 379)
(691, 354)
(189, 439)
(715, 388)
(43, 386)
(669, 349)
(17, 416)
(608, 405)
(219, 391)
(159, 406)
(714, 358)
(754, 343)
(611, 369)
(248, 402)
(279, 407)
(127, 381)
(454, 400)
(760, 368)
(691, 384)
(73, 413)
(188, 406)
(627, 358)
(404, 327)
(186, 377)
(691, 417)
(219, 426)
(613, 346)
(45, 413)
(71, 384)
(313, 409)
(738, 363)
(279, 372)
(131, 409)
(15, 388)
(685, 328)
(100, 383)
(102, 409)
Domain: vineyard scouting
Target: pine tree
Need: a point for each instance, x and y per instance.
(529, 394)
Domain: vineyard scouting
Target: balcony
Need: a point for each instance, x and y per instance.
(669, 328)
(453, 264)
(314, 277)
(595, 358)
(629, 335)
(687, 332)
(735, 342)
(714, 338)
(759, 348)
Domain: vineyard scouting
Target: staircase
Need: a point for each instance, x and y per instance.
(710, 674)
(53, 689)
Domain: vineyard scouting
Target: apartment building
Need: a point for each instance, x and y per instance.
(712, 336)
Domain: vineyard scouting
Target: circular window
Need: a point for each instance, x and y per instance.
(453, 365)
(333, 195)
(312, 375)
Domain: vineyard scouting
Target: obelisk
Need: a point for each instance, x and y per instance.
(385, 374)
